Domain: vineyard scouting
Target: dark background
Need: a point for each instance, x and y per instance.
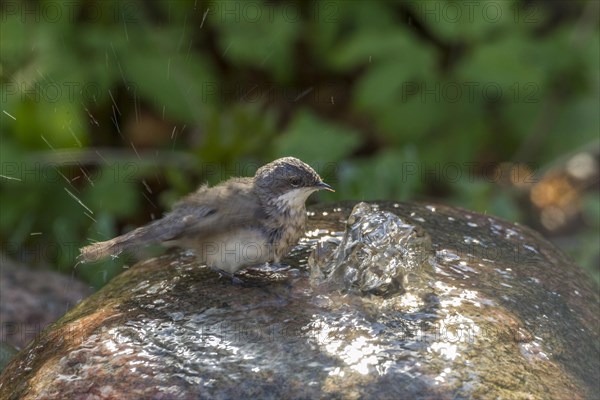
(113, 110)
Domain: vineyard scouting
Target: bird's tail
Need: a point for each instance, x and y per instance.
(140, 237)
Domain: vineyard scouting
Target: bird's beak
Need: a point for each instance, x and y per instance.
(323, 185)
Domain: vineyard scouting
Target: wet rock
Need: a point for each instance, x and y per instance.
(499, 313)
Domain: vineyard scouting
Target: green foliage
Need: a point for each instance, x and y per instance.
(244, 38)
(585, 252)
(335, 142)
(389, 100)
(61, 125)
(172, 81)
(397, 172)
(114, 191)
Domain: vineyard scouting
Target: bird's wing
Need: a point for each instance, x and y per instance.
(224, 207)
(206, 212)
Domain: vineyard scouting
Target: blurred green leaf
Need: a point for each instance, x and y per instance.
(398, 176)
(394, 67)
(335, 30)
(502, 63)
(177, 84)
(372, 47)
(257, 35)
(577, 124)
(306, 130)
(591, 209)
(586, 253)
(46, 125)
(114, 190)
(390, 89)
(475, 21)
(236, 134)
(14, 51)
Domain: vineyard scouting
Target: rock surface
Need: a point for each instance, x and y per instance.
(500, 313)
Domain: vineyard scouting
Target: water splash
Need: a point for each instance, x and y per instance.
(379, 254)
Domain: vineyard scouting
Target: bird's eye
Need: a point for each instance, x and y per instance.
(295, 181)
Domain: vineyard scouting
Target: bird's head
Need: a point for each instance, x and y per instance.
(288, 182)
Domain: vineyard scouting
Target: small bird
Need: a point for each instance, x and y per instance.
(238, 223)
